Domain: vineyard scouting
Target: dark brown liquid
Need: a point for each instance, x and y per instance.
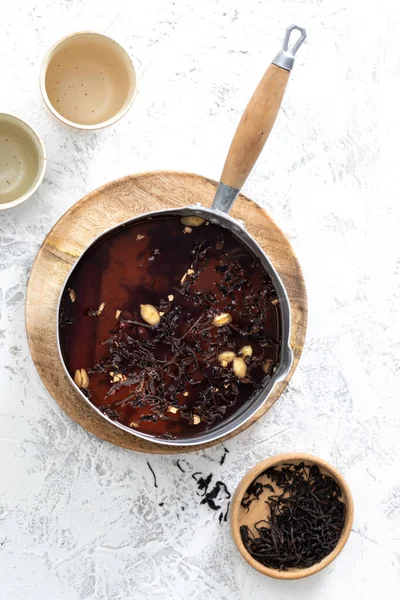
(175, 363)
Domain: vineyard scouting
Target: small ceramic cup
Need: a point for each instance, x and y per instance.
(88, 80)
(241, 516)
(22, 161)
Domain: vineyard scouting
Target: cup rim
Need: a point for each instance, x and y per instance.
(42, 84)
(42, 161)
(251, 475)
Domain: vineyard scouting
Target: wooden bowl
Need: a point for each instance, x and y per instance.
(240, 516)
(88, 80)
(111, 205)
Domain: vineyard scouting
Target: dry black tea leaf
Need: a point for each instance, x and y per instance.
(152, 472)
(215, 496)
(303, 520)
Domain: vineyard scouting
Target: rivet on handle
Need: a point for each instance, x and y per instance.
(285, 57)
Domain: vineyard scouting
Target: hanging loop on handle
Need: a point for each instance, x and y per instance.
(285, 57)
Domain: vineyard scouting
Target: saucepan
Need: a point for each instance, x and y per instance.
(249, 139)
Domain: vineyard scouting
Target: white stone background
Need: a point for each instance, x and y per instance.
(79, 518)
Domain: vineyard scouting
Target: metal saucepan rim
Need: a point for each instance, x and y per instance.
(245, 413)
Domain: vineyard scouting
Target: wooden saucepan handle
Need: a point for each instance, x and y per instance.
(256, 123)
(255, 126)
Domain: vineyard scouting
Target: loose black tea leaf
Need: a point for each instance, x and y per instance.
(227, 512)
(254, 491)
(178, 464)
(216, 497)
(218, 493)
(223, 457)
(152, 472)
(303, 520)
(165, 378)
(202, 482)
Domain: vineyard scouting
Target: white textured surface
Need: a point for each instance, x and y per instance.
(80, 519)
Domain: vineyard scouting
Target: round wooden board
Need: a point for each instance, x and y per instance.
(108, 206)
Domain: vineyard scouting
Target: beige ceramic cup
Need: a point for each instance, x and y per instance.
(22, 161)
(88, 80)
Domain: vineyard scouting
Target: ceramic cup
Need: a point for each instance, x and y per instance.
(88, 80)
(22, 161)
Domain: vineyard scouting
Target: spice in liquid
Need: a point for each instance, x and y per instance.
(168, 379)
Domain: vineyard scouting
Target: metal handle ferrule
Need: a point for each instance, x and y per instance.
(285, 57)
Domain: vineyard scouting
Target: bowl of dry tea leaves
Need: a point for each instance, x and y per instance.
(291, 515)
